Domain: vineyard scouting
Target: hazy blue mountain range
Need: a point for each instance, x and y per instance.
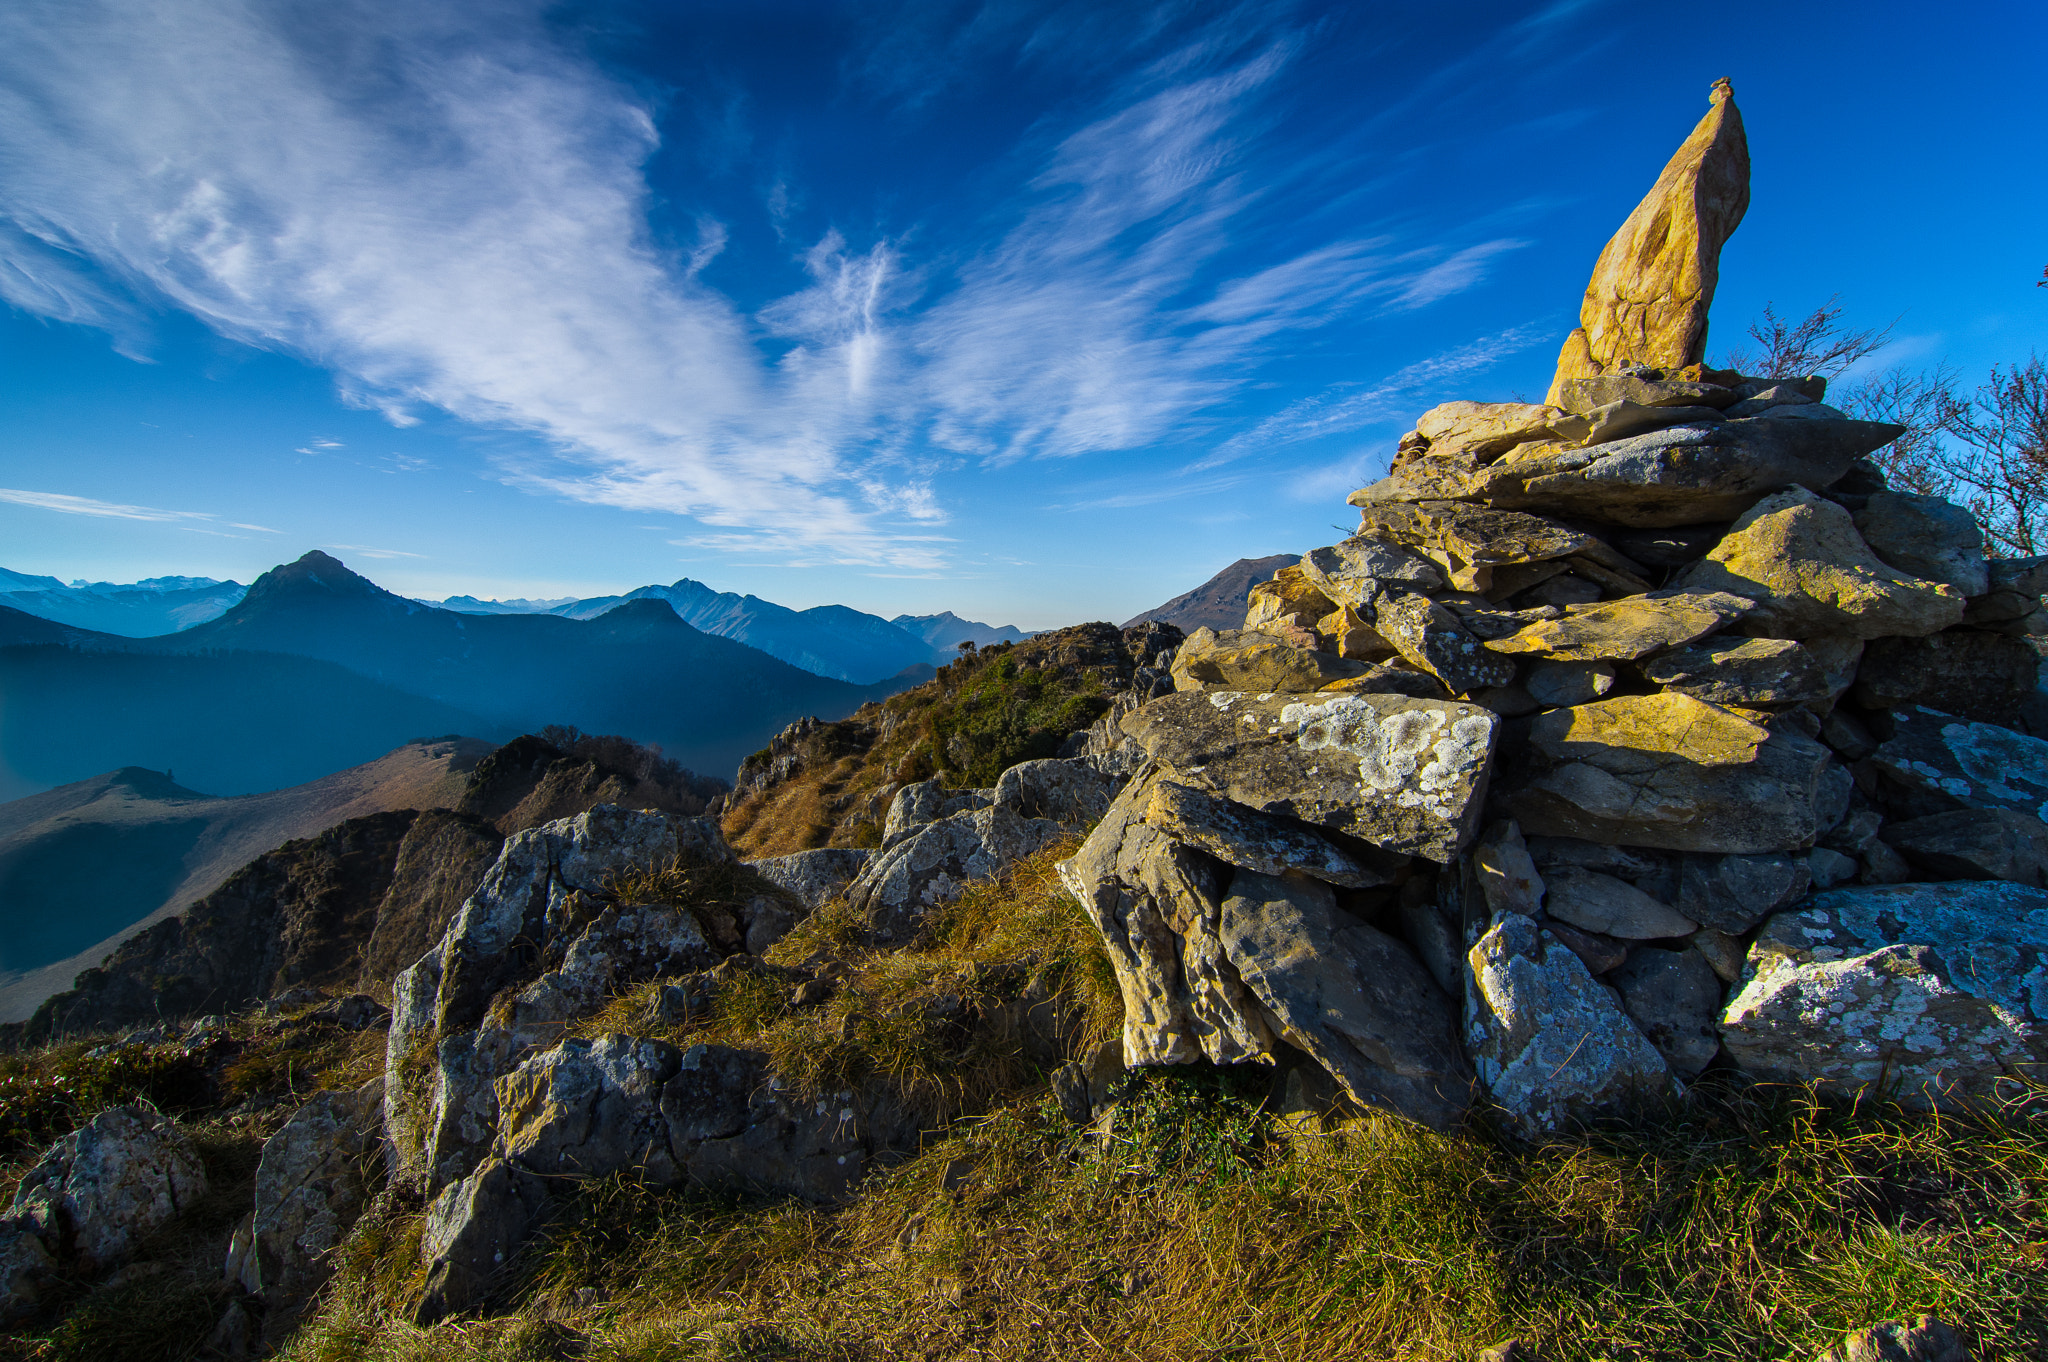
(156, 605)
(317, 668)
(946, 631)
(831, 640)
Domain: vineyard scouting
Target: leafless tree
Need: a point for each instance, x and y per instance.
(1816, 345)
(1998, 456)
(1922, 403)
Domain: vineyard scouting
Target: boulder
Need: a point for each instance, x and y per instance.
(736, 1126)
(817, 877)
(25, 1266)
(1668, 771)
(1549, 1042)
(1642, 386)
(1683, 475)
(1553, 685)
(1623, 417)
(1924, 1339)
(1349, 634)
(586, 1108)
(1732, 894)
(1654, 281)
(1987, 678)
(1356, 571)
(1745, 672)
(312, 1182)
(1351, 997)
(1487, 429)
(1935, 762)
(1936, 990)
(472, 1236)
(1264, 842)
(1400, 774)
(1290, 594)
(938, 860)
(1072, 792)
(1675, 997)
(1157, 904)
(1600, 954)
(1931, 538)
(1800, 559)
(1506, 875)
(1477, 546)
(1432, 640)
(96, 1193)
(1243, 660)
(1595, 902)
(927, 801)
(1975, 844)
(1626, 629)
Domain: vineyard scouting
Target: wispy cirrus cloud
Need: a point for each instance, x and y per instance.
(110, 510)
(450, 211)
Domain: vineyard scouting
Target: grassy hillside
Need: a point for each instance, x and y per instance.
(829, 784)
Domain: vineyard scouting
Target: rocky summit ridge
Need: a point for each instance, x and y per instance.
(1638, 733)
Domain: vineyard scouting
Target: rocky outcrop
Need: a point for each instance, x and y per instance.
(92, 1197)
(315, 1176)
(438, 865)
(814, 877)
(300, 914)
(1654, 281)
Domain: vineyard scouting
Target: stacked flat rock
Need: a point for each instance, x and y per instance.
(1639, 732)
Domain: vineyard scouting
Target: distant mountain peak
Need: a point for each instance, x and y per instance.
(311, 572)
(1218, 603)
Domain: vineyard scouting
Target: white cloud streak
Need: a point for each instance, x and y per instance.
(109, 510)
(449, 211)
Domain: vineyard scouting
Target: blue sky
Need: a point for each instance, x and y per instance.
(1035, 312)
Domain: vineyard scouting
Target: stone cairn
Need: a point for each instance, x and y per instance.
(1635, 733)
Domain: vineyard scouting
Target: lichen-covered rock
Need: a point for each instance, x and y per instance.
(474, 1230)
(938, 861)
(927, 801)
(1554, 685)
(95, 1193)
(1800, 559)
(586, 1108)
(1487, 429)
(1474, 545)
(1401, 774)
(1432, 639)
(1731, 894)
(1654, 282)
(1245, 660)
(1935, 762)
(1157, 903)
(1680, 476)
(735, 1126)
(1741, 672)
(1675, 998)
(814, 877)
(1975, 844)
(1548, 1041)
(1986, 678)
(1940, 991)
(315, 1175)
(1289, 594)
(1595, 902)
(1070, 792)
(1359, 569)
(1505, 872)
(1350, 996)
(1627, 629)
(1669, 771)
(1264, 842)
(1931, 538)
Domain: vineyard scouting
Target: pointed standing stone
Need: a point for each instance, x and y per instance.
(1652, 286)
